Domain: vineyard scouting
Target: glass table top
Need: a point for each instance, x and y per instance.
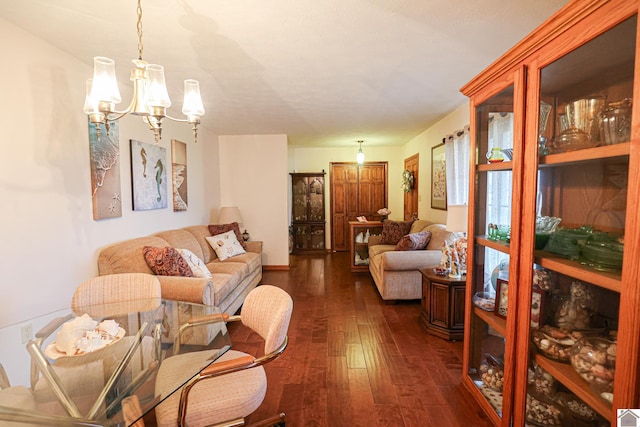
(81, 370)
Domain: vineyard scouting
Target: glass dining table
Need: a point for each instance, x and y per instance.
(81, 375)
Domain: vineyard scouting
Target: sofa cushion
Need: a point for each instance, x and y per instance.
(226, 245)
(216, 229)
(440, 235)
(414, 241)
(197, 266)
(392, 231)
(166, 261)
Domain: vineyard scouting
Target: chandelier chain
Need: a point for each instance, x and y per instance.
(139, 27)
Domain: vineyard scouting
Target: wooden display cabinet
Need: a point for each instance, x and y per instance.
(359, 243)
(536, 100)
(307, 212)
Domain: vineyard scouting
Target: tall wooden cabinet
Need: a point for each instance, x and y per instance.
(555, 111)
(307, 212)
(356, 190)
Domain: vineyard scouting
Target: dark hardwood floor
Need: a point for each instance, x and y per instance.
(353, 360)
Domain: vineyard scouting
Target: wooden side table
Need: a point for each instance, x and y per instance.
(442, 304)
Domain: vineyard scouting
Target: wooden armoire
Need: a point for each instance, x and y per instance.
(356, 190)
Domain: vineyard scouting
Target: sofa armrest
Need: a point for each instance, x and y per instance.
(189, 289)
(254, 246)
(409, 260)
(374, 240)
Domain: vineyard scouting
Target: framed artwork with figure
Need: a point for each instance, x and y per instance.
(438, 178)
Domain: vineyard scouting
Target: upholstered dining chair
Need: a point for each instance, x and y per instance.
(235, 385)
(116, 288)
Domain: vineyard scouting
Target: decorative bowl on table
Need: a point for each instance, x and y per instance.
(578, 411)
(485, 300)
(594, 359)
(555, 343)
(542, 411)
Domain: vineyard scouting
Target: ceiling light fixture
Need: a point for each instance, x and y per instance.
(150, 97)
(360, 155)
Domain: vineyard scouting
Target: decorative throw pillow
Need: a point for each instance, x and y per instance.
(226, 245)
(197, 266)
(414, 241)
(166, 261)
(392, 231)
(216, 229)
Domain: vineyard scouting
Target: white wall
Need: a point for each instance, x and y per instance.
(253, 177)
(422, 144)
(49, 240)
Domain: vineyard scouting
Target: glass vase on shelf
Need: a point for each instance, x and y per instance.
(495, 155)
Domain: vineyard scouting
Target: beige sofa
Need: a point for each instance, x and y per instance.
(396, 273)
(232, 278)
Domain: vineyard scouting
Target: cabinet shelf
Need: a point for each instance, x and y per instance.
(497, 323)
(607, 280)
(498, 245)
(499, 166)
(588, 154)
(565, 373)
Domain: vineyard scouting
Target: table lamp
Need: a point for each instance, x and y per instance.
(229, 214)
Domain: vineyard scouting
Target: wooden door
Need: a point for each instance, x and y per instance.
(411, 198)
(356, 190)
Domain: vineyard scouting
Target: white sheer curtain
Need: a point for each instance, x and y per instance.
(498, 206)
(457, 161)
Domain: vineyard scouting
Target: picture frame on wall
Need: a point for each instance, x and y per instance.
(148, 176)
(438, 178)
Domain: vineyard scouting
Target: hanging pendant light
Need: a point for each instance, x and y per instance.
(150, 96)
(360, 155)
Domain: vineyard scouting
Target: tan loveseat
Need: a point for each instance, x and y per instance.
(231, 280)
(396, 273)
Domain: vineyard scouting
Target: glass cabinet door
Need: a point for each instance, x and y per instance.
(300, 199)
(574, 223)
(490, 344)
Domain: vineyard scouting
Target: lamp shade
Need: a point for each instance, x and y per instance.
(229, 214)
(457, 218)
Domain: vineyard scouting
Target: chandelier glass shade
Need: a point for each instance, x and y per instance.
(360, 155)
(150, 97)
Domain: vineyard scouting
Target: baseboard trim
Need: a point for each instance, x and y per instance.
(275, 267)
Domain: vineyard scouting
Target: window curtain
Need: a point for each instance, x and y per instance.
(498, 204)
(457, 161)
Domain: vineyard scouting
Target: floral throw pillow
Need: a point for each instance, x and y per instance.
(166, 261)
(414, 242)
(226, 245)
(216, 229)
(392, 231)
(197, 266)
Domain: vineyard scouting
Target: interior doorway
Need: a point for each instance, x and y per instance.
(412, 164)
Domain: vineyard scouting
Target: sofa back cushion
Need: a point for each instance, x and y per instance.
(439, 234)
(201, 232)
(420, 225)
(392, 231)
(182, 239)
(127, 256)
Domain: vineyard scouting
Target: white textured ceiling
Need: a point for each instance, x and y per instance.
(324, 72)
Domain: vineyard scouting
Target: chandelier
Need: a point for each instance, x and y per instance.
(360, 155)
(150, 97)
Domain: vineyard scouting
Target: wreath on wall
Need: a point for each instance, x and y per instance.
(407, 180)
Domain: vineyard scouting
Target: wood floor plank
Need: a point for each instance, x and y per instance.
(353, 360)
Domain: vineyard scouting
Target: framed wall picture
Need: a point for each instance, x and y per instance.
(502, 294)
(438, 178)
(148, 176)
(104, 154)
(179, 175)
